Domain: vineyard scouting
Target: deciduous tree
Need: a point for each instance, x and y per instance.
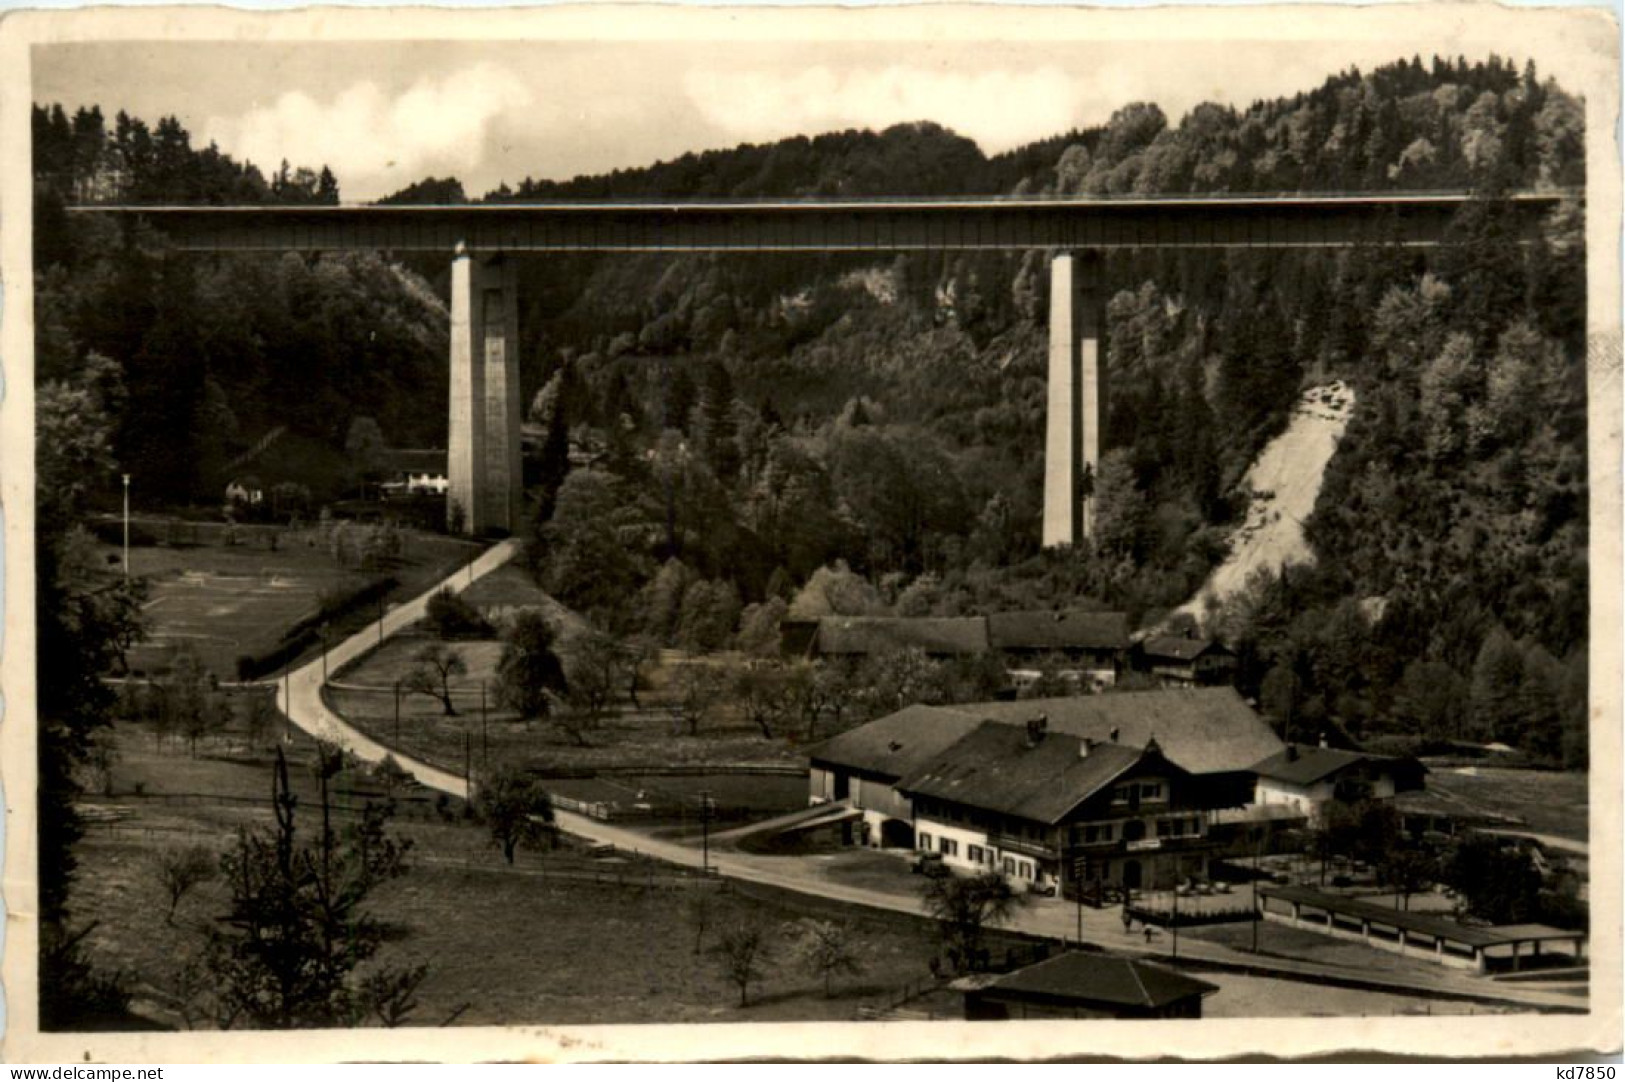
(515, 808)
(964, 908)
(826, 949)
(529, 669)
(433, 668)
(741, 951)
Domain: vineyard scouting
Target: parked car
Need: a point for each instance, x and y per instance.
(928, 864)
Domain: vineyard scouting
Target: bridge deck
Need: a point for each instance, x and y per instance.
(968, 224)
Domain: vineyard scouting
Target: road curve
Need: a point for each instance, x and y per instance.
(299, 693)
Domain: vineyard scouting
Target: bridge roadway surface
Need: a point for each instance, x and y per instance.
(299, 696)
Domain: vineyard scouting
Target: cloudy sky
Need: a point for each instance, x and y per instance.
(383, 115)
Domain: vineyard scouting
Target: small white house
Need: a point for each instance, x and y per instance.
(1308, 778)
(244, 493)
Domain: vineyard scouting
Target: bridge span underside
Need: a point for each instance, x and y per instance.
(483, 440)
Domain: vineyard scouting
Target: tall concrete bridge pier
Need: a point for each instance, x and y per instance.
(484, 241)
(483, 470)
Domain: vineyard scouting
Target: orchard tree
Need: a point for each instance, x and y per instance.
(741, 951)
(964, 908)
(450, 616)
(529, 669)
(178, 870)
(516, 810)
(596, 667)
(825, 948)
(433, 668)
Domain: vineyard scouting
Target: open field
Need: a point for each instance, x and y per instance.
(228, 601)
(645, 738)
(1548, 801)
(561, 937)
(232, 600)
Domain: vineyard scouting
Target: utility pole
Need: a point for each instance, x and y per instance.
(705, 831)
(324, 654)
(485, 734)
(468, 763)
(1257, 856)
(126, 525)
(380, 619)
(397, 713)
(1174, 920)
(1077, 894)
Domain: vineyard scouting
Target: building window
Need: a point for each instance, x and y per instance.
(925, 841)
(1026, 870)
(974, 854)
(1151, 792)
(950, 847)
(1009, 866)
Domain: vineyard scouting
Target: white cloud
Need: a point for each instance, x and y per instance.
(374, 141)
(999, 109)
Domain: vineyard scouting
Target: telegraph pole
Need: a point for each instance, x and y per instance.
(397, 713)
(126, 525)
(1257, 916)
(705, 831)
(1174, 920)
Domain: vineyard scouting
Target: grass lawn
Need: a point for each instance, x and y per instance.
(558, 938)
(1548, 801)
(231, 600)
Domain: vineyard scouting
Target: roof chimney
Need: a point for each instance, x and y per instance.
(1116, 732)
(1323, 739)
(1085, 746)
(1036, 727)
(1292, 753)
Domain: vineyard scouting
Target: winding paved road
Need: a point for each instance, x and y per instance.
(299, 696)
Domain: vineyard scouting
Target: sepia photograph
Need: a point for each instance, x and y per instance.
(618, 536)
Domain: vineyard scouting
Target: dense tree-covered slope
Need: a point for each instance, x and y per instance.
(757, 417)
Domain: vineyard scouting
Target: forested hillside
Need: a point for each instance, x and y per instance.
(203, 356)
(773, 432)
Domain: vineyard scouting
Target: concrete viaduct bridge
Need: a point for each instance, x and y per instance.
(483, 240)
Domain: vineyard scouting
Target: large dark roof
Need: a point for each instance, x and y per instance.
(1299, 765)
(883, 634)
(1099, 978)
(1203, 730)
(1074, 629)
(896, 744)
(996, 768)
(1178, 647)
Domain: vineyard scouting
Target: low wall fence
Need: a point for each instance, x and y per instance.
(1168, 917)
